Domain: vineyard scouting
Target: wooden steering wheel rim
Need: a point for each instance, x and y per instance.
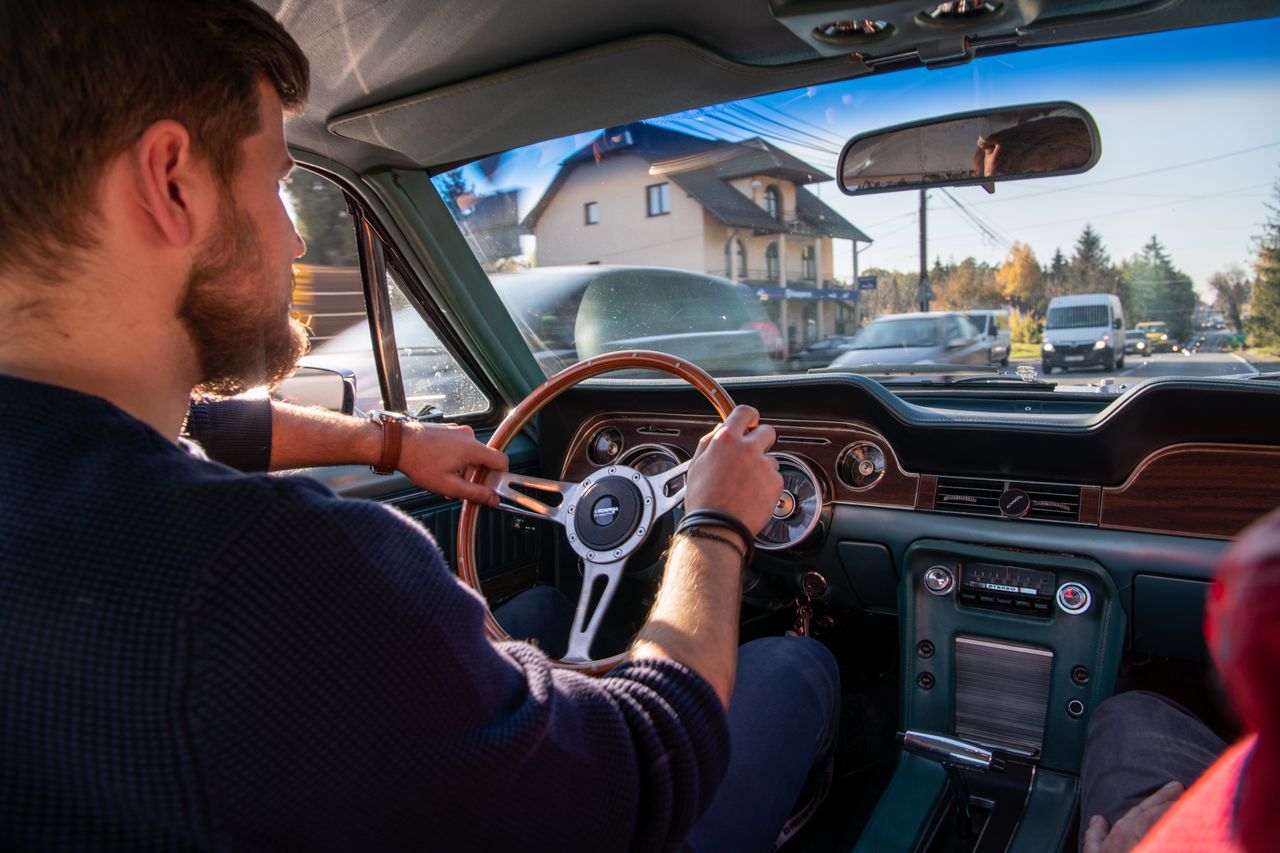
(524, 412)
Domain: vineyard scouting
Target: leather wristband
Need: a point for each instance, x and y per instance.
(716, 518)
(392, 438)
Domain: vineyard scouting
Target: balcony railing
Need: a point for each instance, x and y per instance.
(767, 278)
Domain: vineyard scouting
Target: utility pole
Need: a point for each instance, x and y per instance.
(923, 294)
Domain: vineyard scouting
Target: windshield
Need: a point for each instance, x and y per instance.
(898, 333)
(1077, 317)
(719, 235)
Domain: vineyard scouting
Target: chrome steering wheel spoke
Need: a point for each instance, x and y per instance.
(518, 502)
(664, 503)
(586, 623)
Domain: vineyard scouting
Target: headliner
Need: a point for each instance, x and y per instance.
(432, 82)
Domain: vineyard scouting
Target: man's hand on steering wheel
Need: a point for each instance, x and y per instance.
(730, 472)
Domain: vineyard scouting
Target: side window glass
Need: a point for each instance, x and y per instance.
(432, 376)
(328, 296)
(328, 291)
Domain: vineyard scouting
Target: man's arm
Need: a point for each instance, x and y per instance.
(695, 618)
(268, 435)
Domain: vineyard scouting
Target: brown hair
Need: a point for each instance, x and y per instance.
(83, 79)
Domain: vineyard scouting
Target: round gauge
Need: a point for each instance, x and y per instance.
(651, 459)
(605, 446)
(796, 514)
(862, 465)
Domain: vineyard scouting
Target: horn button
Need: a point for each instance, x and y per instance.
(608, 513)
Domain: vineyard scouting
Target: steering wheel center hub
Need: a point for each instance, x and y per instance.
(609, 511)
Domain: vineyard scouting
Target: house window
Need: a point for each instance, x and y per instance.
(590, 213)
(771, 205)
(659, 199)
(807, 267)
(742, 260)
(771, 262)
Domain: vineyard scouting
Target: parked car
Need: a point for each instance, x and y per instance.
(820, 353)
(993, 330)
(566, 314)
(1135, 342)
(936, 337)
(1083, 331)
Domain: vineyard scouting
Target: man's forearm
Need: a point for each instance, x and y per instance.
(695, 618)
(305, 437)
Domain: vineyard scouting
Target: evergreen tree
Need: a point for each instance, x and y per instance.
(1157, 290)
(1090, 269)
(1264, 313)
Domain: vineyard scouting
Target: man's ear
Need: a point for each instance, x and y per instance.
(175, 187)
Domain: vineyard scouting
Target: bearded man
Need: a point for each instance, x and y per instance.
(196, 658)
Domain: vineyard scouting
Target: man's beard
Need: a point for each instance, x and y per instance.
(242, 340)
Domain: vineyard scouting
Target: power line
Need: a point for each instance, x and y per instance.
(1131, 176)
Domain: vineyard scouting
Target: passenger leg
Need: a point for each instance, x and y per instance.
(1137, 743)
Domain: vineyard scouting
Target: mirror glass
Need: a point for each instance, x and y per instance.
(327, 388)
(982, 148)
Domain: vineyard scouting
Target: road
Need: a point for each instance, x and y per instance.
(1203, 363)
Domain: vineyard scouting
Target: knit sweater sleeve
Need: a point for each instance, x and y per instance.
(235, 431)
(340, 695)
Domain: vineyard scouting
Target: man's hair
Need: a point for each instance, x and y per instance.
(83, 79)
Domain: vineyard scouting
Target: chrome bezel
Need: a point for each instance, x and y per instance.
(811, 524)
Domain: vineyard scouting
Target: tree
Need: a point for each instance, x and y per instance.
(1231, 288)
(1264, 311)
(1157, 290)
(1090, 269)
(323, 220)
(895, 293)
(1020, 278)
(965, 286)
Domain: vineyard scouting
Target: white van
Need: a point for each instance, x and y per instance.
(993, 331)
(1083, 331)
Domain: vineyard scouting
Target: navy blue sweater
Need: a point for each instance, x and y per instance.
(191, 657)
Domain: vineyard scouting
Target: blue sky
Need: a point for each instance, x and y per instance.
(1161, 102)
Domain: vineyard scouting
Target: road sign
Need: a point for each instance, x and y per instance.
(867, 282)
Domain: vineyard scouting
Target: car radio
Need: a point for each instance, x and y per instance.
(1012, 588)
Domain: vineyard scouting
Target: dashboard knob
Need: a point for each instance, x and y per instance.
(938, 580)
(1073, 598)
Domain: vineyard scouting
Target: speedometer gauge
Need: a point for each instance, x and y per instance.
(653, 459)
(796, 513)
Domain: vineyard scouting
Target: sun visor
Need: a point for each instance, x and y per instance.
(582, 91)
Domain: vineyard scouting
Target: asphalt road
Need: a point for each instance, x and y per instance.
(1203, 363)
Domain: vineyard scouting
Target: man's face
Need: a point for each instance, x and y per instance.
(236, 306)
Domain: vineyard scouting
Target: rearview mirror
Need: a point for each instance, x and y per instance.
(983, 148)
(319, 386)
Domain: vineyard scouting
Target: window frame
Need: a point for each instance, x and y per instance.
(591, 213)
(663, 198)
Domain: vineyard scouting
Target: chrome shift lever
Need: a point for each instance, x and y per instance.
(950, 751)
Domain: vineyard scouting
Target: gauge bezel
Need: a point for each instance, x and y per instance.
(812, 523)
(843, 460)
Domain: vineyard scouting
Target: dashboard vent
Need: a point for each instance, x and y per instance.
(1052, 503)
(982, 497)
(974, 497)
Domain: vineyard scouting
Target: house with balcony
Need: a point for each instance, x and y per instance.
(643, 194)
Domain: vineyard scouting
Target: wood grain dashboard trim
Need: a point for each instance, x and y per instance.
(1209, 490)
(819, 444)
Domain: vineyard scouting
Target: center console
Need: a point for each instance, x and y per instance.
(1008, 651)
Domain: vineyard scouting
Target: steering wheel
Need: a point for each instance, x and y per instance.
(606, 517)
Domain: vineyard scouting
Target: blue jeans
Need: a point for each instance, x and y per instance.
(1137, 743)
(783, 718)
